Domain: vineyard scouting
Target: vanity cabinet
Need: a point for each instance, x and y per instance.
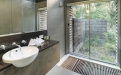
(47, 58)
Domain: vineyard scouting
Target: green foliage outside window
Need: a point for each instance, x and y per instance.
(104, 49)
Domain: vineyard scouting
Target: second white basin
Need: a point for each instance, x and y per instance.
(21, 57)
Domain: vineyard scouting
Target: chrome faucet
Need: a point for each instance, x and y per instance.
(23, 42)
(2, 47)
(14, 43)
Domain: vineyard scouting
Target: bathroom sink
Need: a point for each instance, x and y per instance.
(21, 57)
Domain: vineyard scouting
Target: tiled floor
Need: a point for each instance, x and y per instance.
(57, 70)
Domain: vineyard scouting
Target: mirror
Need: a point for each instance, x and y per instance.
(29, 16)
(18, 16)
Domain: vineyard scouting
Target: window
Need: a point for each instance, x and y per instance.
(42, 19)
(93, 30)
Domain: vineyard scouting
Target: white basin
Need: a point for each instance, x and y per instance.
(21, 58)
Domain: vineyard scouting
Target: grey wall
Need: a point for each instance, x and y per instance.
(55, 22)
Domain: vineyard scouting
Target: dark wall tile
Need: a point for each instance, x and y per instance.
(7, 40)
(37, 1)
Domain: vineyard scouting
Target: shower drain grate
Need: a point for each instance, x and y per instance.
(88, 68)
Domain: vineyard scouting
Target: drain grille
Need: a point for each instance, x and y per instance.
(88, 68)
(70, 63)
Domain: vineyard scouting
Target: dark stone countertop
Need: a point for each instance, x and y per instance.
(46, 45)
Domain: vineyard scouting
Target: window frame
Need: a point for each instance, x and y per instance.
(68, 6)
(119, 33)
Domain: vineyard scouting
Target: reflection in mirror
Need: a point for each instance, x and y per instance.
(41, 8)
(29, 16)
(42, 19)
(17, 16)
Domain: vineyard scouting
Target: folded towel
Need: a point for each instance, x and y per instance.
(36, 42)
